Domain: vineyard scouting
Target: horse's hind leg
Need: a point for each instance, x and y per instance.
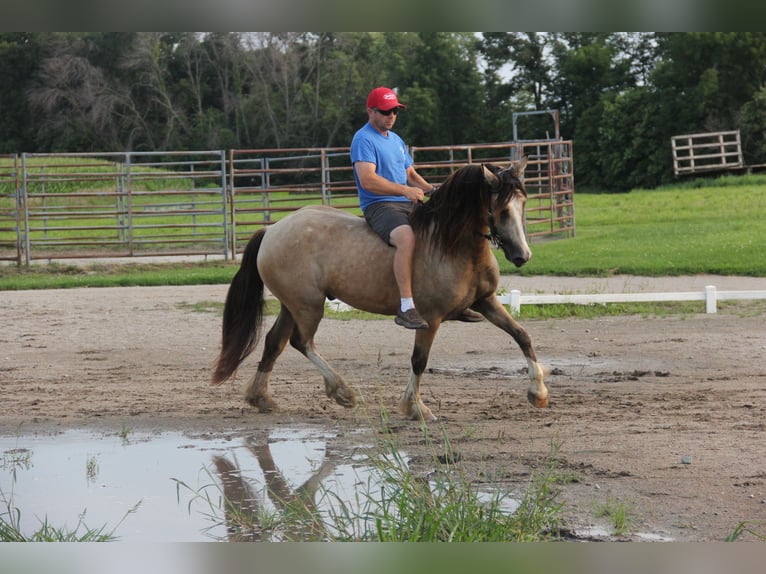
(257, 391)
(303, 341)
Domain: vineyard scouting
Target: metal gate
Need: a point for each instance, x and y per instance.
(114, 205)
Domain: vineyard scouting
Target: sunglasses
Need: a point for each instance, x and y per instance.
(394, 111)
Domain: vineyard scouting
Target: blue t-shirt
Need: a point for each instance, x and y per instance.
(390, 156)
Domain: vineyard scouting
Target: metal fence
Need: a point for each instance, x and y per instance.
(114, 205)
(10, 212)
(136, 204)
(549, 177)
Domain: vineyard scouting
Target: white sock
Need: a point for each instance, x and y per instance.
(407, 304)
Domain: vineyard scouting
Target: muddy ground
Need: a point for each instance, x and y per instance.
(666, 415)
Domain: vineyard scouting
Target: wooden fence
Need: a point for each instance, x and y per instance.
(137, 204)
(705, 152)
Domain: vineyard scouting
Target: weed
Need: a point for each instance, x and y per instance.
(750, 527)
(618, 513)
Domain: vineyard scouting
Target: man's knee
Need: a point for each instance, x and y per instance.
(402, 237)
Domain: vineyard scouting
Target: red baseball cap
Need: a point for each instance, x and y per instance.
(383, 99)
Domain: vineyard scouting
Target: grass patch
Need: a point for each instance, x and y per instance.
(618, 513)
(718, 228)
(711, 226)
(592, 311)
(63, 276)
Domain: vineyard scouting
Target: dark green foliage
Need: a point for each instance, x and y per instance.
(621, 96)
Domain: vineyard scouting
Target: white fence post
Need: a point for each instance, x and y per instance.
(711, 299)
(515, 301)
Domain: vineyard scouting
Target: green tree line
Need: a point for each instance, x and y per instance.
(620, 96)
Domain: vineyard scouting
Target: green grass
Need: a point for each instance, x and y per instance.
(618, 513)
(755, 528)
(718, 229)
(65, 276)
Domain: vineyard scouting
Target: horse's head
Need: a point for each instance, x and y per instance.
(487, 200)
(507, 201)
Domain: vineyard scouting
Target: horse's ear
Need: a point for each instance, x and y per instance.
(516, 167)
(490, 177)
(519, 166)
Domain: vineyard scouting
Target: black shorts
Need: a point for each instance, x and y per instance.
(385, 216)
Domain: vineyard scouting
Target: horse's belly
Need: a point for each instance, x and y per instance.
(318, 253)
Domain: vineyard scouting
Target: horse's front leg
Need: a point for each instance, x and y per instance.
(411, 404)
(493, 310)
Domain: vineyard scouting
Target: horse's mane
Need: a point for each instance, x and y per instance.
(459, 208)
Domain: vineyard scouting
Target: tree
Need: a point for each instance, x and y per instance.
(80, 104)
(21, 56)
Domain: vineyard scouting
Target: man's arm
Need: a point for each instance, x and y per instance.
(416, 180)
(374, 183)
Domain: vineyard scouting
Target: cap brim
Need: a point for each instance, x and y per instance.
(402, 106)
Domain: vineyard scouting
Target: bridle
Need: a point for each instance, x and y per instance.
(491, 234)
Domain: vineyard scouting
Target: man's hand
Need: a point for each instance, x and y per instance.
(414, 194)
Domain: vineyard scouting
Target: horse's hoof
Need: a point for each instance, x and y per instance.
(429, 417)
(416, 413)
(345, 399)
(539, 402)
(263, 404)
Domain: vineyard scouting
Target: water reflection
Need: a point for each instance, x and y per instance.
(244, 510)
(59, 478)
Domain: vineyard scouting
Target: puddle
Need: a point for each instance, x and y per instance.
(61, 477)
(170, 487)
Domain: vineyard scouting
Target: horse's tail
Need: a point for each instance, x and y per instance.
(242, 313)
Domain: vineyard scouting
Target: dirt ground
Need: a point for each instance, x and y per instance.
(664, 415)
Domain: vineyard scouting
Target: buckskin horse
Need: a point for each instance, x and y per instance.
(319, 253)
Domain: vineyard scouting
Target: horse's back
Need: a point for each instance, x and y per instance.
(320, 251)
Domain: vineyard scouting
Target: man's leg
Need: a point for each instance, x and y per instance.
(403, 240)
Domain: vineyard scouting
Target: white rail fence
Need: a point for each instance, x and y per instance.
(710, 295)
(515, 299)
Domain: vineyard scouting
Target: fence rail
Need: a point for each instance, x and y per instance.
(134, 204)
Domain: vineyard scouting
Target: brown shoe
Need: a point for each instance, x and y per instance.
(410, 319)
(469, 316)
